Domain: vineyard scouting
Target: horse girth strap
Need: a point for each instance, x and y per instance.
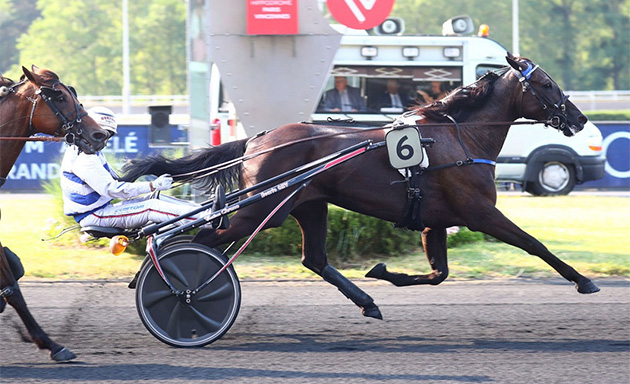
(412, 218)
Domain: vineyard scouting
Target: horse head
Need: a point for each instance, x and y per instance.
(542, 98)
(61, 101)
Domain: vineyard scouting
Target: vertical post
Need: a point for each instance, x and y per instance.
(515, 50)
(126, 90)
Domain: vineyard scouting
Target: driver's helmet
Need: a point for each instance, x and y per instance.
(105, 118)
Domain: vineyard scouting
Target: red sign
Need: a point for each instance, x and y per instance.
(360, 14)
(272, 17)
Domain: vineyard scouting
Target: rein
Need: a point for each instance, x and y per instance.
(239, 160)
(35, 138)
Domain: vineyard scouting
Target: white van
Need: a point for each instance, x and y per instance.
(542, 160)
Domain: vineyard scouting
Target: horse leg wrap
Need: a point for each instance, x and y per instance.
(7, 292)
(352, 292)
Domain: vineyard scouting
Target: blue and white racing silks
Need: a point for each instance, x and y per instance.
(88, 184)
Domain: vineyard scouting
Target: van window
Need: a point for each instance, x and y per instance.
(367, 88)
(482, 69)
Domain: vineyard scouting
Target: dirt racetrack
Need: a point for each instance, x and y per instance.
(502, 331)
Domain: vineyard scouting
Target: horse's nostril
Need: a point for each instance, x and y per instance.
(582, 119)
(99, 136)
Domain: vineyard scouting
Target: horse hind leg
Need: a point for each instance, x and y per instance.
(312, 220)
(434, 243)
(13, 296)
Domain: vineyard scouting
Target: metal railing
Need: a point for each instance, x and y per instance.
(139, 100)
(587, 100)
(598, 100)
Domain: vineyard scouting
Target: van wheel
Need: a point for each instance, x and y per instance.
(552, 178)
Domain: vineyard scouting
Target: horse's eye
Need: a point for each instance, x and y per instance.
(547, 85)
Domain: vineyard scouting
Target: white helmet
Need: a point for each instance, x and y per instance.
(105, 118)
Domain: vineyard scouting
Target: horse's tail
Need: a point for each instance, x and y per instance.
(184, 168)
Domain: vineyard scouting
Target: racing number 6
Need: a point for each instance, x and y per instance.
(404, 147)
(404, 151)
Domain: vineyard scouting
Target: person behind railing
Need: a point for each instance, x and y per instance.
(89, 185)
(392, 97)
(437, 92)
(343, 98)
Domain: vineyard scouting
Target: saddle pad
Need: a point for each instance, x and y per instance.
(409, 119)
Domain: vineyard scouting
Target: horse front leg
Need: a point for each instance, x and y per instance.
(434, 244)
(312, 220)
(13, 296)
(495, 224)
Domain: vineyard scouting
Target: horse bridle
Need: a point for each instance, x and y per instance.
(70, 128)
(557, 115)
(67, 128)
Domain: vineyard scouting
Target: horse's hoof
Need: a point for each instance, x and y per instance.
(586, 286)
(63, 355)
(371, 310)
(377, 271)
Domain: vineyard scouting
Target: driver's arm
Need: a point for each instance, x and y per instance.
(92, 171)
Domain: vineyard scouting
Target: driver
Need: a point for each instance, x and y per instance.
(89, 184)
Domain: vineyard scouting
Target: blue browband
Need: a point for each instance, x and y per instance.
(527, 73)
(484, 161)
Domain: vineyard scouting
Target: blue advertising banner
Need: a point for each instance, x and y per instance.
(40, 161)
(616, 146)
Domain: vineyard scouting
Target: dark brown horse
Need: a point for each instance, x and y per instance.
(462, 193)
(40, 102)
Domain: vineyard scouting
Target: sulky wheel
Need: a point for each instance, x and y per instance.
(179, 239)
(210, 313)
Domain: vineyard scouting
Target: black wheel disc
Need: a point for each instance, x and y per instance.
(210, 312)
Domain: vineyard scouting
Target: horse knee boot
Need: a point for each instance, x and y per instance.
(17, 269)
(352, 292)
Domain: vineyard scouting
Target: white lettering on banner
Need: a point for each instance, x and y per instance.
(271, 9)
(272, 2)
(34, 146)
(129, 144)
(273, 17)
(34, 171)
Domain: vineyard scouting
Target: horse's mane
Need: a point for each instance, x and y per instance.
(48, 75)
(463, 100)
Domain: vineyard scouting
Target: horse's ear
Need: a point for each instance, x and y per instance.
(34, 68)
(29, 75)
(33, 76)
(515, 63)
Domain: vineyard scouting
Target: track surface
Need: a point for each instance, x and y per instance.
(503, 331)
